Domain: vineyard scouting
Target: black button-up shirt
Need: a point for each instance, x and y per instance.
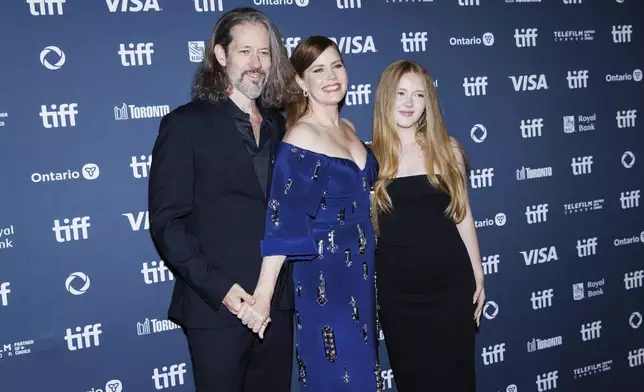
(260, 154)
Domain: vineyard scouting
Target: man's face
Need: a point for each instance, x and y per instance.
(248, 61)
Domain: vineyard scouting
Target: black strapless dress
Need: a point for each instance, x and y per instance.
(425, 291)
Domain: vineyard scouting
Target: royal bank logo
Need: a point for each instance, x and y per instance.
(490, 264)
(626, 118)
(599, 367)
(152, 326)
(526, 38)
(209, 5)
(5, 233)
(588, 289)
(77, 283)
(196, 50)
(355, 45)
(156, 272)
(486, 39)
(45, 7)
(499, 220)
(583, 206)
(542, 344)
(133, 112)
(529, 82)
(359, 94)
(132, 5)
(60, 116)
(475, 86)
(574, 35)
(344, 4)
(3, 115)
(493, 354)
(89, 171)
(136, 55)
(635, 76)
(622, 34)
(572, 124)
(52, 58)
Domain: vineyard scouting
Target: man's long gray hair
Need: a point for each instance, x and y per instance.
(211, 83)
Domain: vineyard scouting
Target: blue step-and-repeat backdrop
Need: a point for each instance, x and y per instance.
(545, 95)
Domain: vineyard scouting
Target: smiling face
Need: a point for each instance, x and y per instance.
(410, 101)
(248, 59)
(326, 79)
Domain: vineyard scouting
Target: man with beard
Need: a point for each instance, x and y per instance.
(211, 169)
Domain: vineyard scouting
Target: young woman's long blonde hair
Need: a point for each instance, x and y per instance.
(430, 133)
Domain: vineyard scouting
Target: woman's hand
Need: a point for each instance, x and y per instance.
(479, 299)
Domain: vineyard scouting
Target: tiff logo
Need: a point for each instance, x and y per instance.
(134, 57)
(630, 199)
(342, 4)
(636, 358)
(525, 37)
(490, 264)
(59, 117)
(209, 5)
(169, 378)
(540, 256)
(156, 273)
(290, 43)
(577, 79)
(582, 165)
(475, 86)
(573, 1)
(622, 33)
(633, 280)
(414, 42)
(358, 95)
(626, 118)
(4, 293)
(536, 214)
(547, 382)
(590, 331)
(387, 377)
(73, 231)
(142, 219)
(142, 168)
(529, 82)
(542, 299)
(493, 354)
(481, 178)
(81, 340)
(465, 3)
(45, 7)
(531, 128)
(587, 247)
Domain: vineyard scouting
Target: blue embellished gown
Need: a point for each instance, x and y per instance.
(318, 216)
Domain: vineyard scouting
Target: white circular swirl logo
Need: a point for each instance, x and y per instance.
(495, 310)
(59, 62)
(84, 280)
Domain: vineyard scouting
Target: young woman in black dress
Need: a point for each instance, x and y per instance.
(430, 278)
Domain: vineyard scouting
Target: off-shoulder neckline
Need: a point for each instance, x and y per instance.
(333, 157)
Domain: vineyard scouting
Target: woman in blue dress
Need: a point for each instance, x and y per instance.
(318, 218)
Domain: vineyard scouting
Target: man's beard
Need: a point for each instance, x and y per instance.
(249, 88)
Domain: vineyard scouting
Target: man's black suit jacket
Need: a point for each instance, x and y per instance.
(207, 212)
